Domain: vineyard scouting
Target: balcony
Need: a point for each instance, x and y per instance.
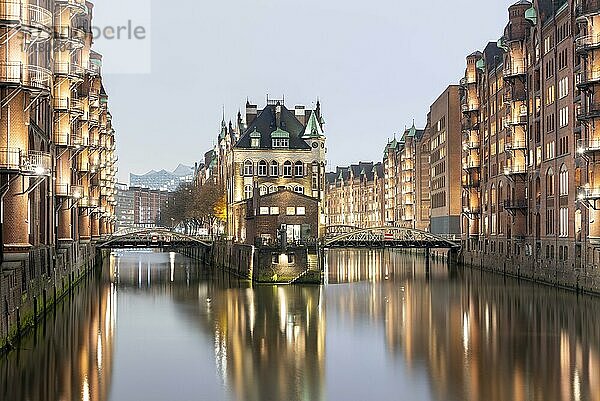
(515, 145)
(77, 5)
(87, 202)
(70, 70)
(31, 77)
(589, 77)
(76, 107)
(68, 140)
(470, 107)
(74, 37)
(515, 204)
(68, 191)
(469, 181)
(589, 7)
(471, 164)
(515, 70)
(588, 194)
(585, 146)
(471, 145)
(35, 19)
(586, 43)
(29, 163)
(472, 211)
(589, 112)
(515, 170)
(520, 119)
(469, 80)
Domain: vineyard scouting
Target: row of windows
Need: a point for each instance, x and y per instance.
(289, 211)
(273, 170)
(270, 189)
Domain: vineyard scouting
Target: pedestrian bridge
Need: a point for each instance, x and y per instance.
(385, 237)
(150, 238)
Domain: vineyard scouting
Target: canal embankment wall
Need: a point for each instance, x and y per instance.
(32, 283)
(564, 274)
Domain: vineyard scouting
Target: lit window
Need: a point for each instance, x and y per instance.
(272, 189)
(263, 190)
(301, 211)
(248, 168)
(248, 192)
(287, 169)
(264, 210)
(262, 168)
(299, 169)
(281, 143)
(290, 211)
(274, 211)
(274, 169)
(564, 181)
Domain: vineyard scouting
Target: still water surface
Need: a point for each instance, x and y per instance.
(160, 327)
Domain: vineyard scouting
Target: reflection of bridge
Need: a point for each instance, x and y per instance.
(150, 238)
(384, 237)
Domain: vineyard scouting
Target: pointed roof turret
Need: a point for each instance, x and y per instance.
(313, 127)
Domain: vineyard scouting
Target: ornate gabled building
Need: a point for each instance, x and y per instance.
(529, 158)
(275, 149)
(355, 196)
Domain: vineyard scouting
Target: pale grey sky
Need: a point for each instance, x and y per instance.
(375, 65)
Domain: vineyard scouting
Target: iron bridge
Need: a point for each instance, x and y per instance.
(385, 237)
(150, 238)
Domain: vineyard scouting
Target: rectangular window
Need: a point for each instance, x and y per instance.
(274, 211)
(563, 88)
(281, 143)
(290, 211)
(264, 211)
(550, 95)
(564, 222)
(563, 117)
(301, 211)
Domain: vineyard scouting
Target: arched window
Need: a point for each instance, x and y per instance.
(274, 169)
(248, 192)
(299, 189)
(493, 195)
(262, 168)
(563, 181)
(248, 168)
(272, 189)
(287, 169)
(550, 182)
(299, 169)
(263, 190)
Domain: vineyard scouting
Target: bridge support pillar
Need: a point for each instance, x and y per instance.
(453, 257)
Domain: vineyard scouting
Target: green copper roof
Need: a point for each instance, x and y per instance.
(531, 15)
(313, 128)
(480, 64)
(255, 134)
(279, 133)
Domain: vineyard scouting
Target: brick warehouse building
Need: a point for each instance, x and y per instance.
(57, 162)
(529, 159)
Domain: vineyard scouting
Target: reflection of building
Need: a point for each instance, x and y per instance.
(459, 324)
(355, 196)
(71, 356)
(163, 180)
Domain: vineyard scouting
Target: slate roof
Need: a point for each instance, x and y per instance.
(266, 123)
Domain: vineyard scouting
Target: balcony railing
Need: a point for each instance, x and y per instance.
(469, 181)
(88, 202)
(589, 77)
(471, 164)
(515, 170)
(520, 119)
(515, 204)
(71, 70)
(588, 146)
(516, 70)
(471, 145)
(76, 106)
(589, 112)
(587, 42)
(28, 15)
(78, 5)
(585, 7)
(34, 163)
(69, 191)
(515, 145)
(470, 107)
(586, 193)
(30, 76)
(468, 80)
(472, 211)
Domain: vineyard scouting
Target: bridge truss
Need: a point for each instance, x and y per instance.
(150, 238)
(384, 237)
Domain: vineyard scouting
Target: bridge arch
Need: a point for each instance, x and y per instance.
(392, 237)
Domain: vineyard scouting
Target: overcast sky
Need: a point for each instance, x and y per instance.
(376, 65)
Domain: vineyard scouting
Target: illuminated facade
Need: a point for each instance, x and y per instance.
(529, 158)
(57, 145)
(355, 196)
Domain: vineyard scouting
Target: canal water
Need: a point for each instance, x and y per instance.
(157, 326)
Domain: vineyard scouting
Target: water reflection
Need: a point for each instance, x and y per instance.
(479, 336)
(70, 355)
(383, 328)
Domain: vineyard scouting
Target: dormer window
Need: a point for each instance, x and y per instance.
(255, 139)
(281, 139)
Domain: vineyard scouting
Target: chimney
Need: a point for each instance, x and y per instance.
(300, 112)
(251, 113)
(278, 115)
